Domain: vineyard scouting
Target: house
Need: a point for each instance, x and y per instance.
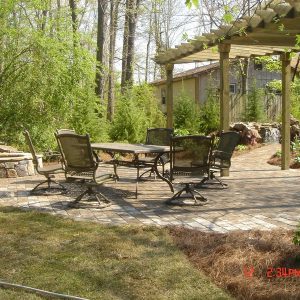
(197, 82)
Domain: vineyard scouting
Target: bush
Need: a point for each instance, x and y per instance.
(186, 115)
(210, 112)
(296, 238)
(136, 111)
(255, 105)
(295, 99)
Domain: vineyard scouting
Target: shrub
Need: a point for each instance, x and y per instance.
(295, 99)
(296, 238)
(136, 111)
(255, 105)
(186, 114)
(210, 112)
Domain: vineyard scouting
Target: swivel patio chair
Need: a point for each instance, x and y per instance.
(52, 186)
(81, 163)
(189, 163)
(221, 156)
(156, 136)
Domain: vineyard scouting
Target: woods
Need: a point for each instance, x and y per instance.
(75, 64)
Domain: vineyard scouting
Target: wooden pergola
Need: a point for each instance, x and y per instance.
(271, 30)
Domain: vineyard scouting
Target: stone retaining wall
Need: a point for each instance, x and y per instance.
(16, 165)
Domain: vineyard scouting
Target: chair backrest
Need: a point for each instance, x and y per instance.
(63, 130)
(190, 155)
(31, 148)
(76, 152)
(228, 141)
(159, 136)
(221, 157)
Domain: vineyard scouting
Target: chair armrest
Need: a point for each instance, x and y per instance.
(98, 160)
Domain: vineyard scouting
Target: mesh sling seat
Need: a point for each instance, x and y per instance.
(221, 156)
(189, 163)
(82, 163)
(52, 186)
(157, 136)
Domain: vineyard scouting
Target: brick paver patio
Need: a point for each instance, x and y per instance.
(260, 196)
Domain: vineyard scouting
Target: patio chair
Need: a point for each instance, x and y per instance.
(53, 187)
(156, 136)
(221, 156)
(82, 163)
(189, 163)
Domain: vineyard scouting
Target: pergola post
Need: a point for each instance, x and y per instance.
(224, 50)
(286, 94)
(169, 95)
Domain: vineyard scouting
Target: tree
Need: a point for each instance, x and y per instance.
(114, 9)
(99, 89)
(131, 15)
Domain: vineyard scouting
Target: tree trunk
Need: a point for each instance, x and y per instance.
(114, 9)
(73, 8)
(99, 89)
(148, 45)
(158, 38)
(128, 56)
(125, 46)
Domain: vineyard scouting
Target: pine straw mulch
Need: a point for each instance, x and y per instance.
(226, 257)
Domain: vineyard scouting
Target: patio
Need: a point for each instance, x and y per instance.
(260, 196)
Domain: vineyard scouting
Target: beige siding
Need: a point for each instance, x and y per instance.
(203, 81)
(186, 86)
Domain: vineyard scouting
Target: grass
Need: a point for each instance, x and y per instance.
(224, 257)
(95, 261)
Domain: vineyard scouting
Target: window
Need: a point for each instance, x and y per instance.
(232, 88)
(258, 65)
(163, 96)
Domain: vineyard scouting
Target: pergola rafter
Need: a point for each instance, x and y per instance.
(271, 30)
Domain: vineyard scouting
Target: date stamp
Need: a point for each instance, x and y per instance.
(282, 272)
(272, 272)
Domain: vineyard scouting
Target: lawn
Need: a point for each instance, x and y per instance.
(94, 261)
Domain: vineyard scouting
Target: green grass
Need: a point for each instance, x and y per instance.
(94, 261)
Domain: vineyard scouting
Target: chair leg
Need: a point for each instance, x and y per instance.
(99, 197)
(196, 195)
(48, 188)
(211, 176)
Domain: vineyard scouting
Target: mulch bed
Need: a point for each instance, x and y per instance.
(276, 161)
(248, 264)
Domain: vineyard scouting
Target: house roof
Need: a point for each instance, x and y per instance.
(271, 30)
(189, 73)
(205, 69)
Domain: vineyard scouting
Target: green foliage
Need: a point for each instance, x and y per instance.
(254, 107)
(186, 114)
(136, 111)
(189, 3)
(270, 63)
(46, 82)
(274, 86)
(241, 147)
(228, 16)
(296, 238)
(210, 112)
(295, 99)
(278, 153)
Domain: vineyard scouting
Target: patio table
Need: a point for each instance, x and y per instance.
(136, 150)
